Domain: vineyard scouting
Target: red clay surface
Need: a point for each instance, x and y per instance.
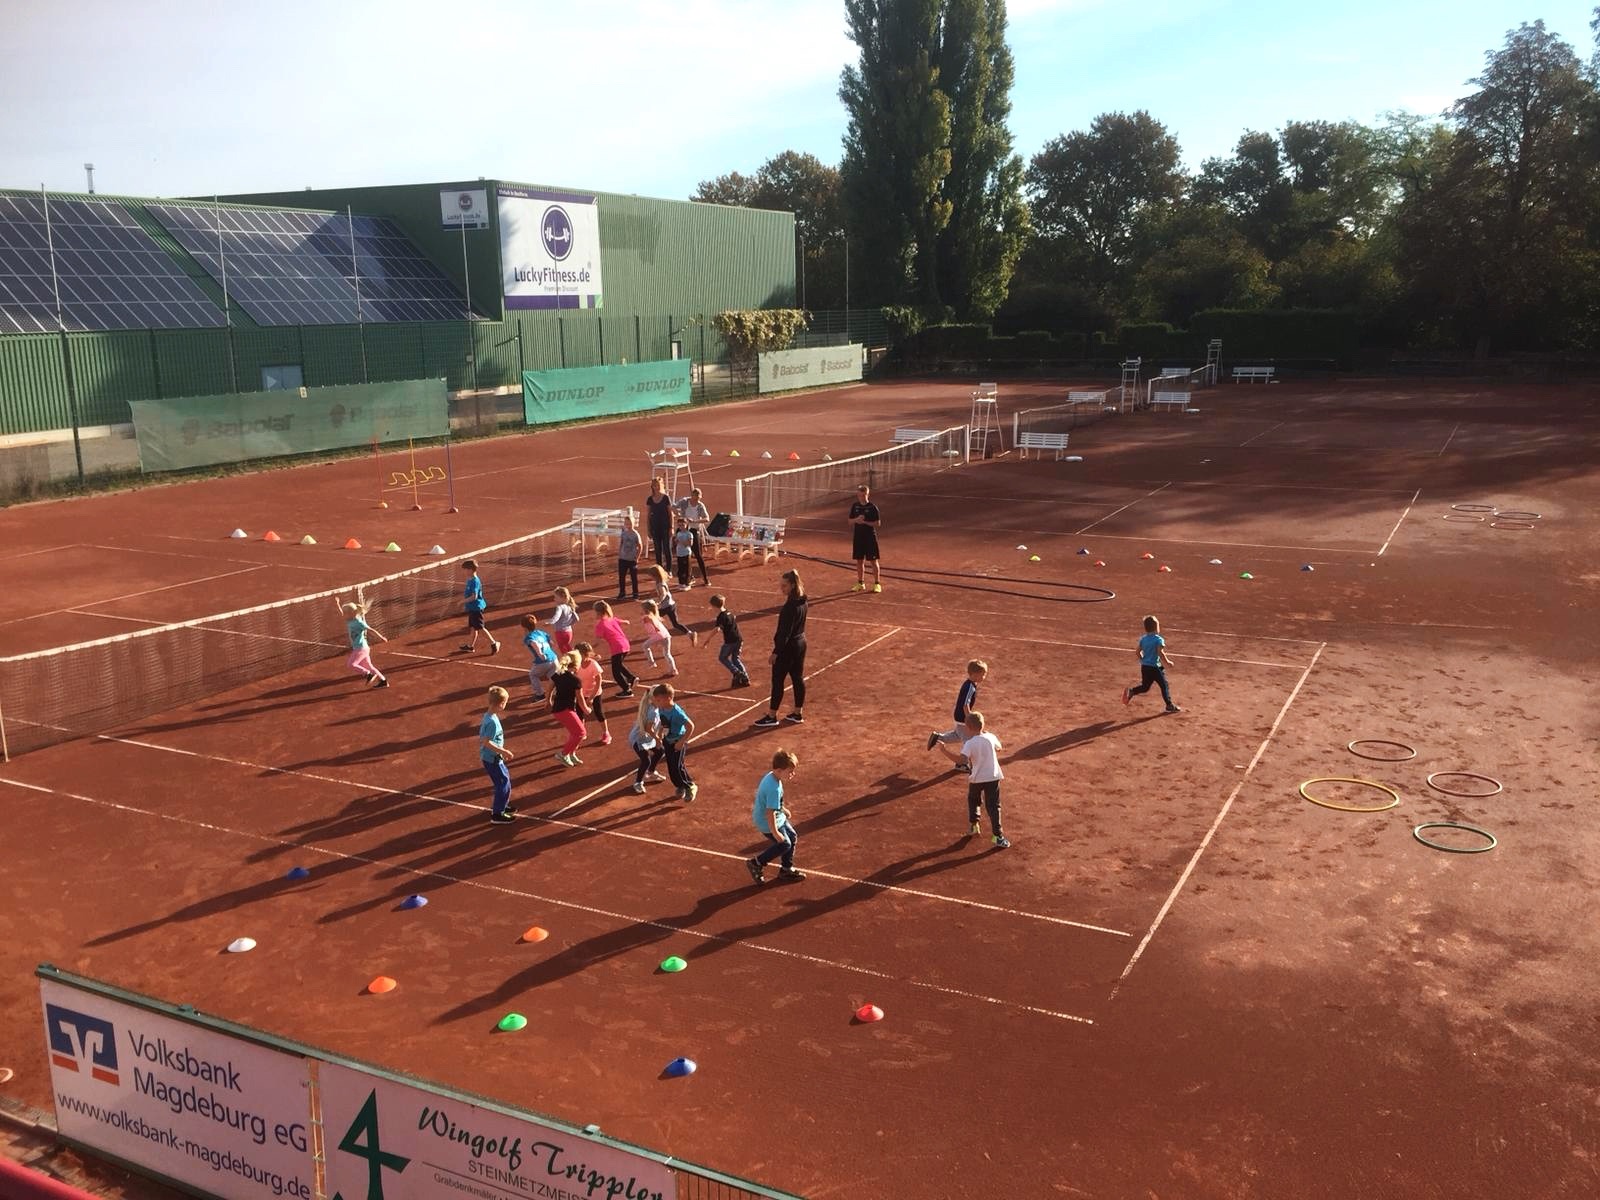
(1182, 981)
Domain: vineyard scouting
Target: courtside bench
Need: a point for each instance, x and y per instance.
(601, 524)
(902, 436)
(1177, 400)
(1041, 442)
(1088, 399)
(753, 537)
(1251, 374)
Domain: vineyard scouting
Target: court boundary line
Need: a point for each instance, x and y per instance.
(1263, 433)
(1194, 859)
(501, 889)
(56, 612)
(1124, 508)
(1448, 440)
(45, 550)
(1400, 522)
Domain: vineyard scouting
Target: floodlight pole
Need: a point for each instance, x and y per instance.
(355, 270)
(466, 275)
(61, 328)
(227, 313)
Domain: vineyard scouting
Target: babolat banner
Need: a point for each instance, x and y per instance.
(199, 431)
(575, 393)
(816, 367)
(180, 1099)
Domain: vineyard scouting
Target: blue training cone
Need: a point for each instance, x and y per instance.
(414, 902)
(298, 873)
(1308, 567)
(679, 1067)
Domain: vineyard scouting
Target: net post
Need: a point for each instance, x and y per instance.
(377, 462)
(966, 448)
(5, 746)
(411, 450)
(738, 497)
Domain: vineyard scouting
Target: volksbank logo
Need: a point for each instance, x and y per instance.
(80, 1042)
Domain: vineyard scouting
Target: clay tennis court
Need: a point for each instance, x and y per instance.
(1183, 980)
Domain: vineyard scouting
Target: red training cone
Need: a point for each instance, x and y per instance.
(352, 544)
(1147, 554)
(269, 536)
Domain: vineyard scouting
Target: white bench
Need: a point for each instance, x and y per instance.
(601, 524)
(750, 537)
(1178, 400)
(902, 436)
(1042, 442)
(1173, 372)
(1094, 399)
(1264, 374)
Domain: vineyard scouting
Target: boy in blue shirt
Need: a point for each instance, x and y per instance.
(771, 817)
(493, 754)
(543, 653)
(1153, 662)
(966, 701)
(676, 730)
(474, 603)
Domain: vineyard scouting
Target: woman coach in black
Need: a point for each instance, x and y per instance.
(788, 656)
(658, 519)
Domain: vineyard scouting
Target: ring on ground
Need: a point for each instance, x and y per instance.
(1417, 833)
(1462, 517)
(1498, 786)
(1394, 796)
(5, 1074)
(1410, 751)
(1473, 507)
(1510, 524)
(1512, 514)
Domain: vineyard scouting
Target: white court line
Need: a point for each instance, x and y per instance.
(1398, 523)
(135, 595)
(46, 550)
(176, 554)
(629, 487)
(1128, 505)
(78, 612)
(1227, 804)
(1448, 440)
(591, 910)
(529, 466)
(1263, 433)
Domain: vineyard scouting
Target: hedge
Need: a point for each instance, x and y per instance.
(1284, 333)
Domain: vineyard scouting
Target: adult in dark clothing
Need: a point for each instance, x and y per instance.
(788, 656)
(658, 519)
(864, 520)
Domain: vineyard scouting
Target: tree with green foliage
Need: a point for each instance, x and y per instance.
(978, 249)
(1252, 186)
(733, 188)
(1199, 258)
(896, 150)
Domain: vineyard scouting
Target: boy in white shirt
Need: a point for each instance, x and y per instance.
(982, 751)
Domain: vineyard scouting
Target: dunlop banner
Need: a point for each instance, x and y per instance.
(816, 367)
(199, 431)
(579, 392)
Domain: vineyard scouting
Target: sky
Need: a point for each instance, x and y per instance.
(190, 97)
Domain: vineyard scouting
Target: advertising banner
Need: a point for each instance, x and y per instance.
(222, 1116)
(578, 392)
(814, 367)
(549, 249)
(407, 1141)
(198, 431)
(464, 209)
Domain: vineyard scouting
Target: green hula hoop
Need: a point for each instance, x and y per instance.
(1394, 796)
(1417, 833)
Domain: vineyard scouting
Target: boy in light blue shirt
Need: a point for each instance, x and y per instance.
(1153, 662)
(771, 817)
(474, 603)
(493, 754)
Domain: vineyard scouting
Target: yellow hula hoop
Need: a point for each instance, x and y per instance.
(1394, 796)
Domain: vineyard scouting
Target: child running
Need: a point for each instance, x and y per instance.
(977, 669)
(609, 630)
(659, 635)
(982, 752)
(563, 620)
(566, 702)
(493, 754)
(771, 816)
(728, 654)
(628, 547)
(543, 654)
(676, 730)
(593, 677)
(474, 603)
(355, 624)
(664, 600)
(1153, 664)
(642, 737)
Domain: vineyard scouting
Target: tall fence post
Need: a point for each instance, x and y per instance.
(561, 336)
(155, 364)
(600, 324)
(72, 402)
(703, 385)
(638, 343)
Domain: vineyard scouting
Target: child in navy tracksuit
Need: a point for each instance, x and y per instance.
(966, 699)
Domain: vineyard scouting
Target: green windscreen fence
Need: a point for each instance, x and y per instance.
(577, 393)
(201, 431)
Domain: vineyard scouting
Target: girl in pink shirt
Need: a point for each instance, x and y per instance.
(593, 677)
(659, 635)
(609, 630)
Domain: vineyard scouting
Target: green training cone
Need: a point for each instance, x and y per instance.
(672, 964)
(512, 1022)
(1246, 575)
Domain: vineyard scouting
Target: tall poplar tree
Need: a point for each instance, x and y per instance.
(896, 150)
(978, 249)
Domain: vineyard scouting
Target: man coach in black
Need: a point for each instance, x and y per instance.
(864, 520)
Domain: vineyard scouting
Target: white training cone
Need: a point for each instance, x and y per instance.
(766, 454)
(241, 945)
(437, 550)
(706, 453)
(1216, 562)
(238, 533)
(1021, 547)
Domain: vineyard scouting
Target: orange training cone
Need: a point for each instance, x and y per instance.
(1147, 554)
(1163, 569)
(381, 984)
(269, 536)
(352, 544)
(536, 934)
(793, 457)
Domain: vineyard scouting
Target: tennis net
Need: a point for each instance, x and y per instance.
(785, 493)
(1174, 383)
(52, 696)
(1081, 408)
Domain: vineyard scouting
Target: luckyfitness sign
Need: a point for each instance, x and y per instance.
(782, 370)
(549, 249)
(218, 1114)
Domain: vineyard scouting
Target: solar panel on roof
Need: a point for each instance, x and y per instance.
(288, 267)
(111, 273)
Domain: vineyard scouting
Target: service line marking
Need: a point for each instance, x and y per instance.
(1263, 433)
(1194, 860)
(501, 889)
(1448, 440)
(1398, 523)
(135, 595)
(1126, 506)
(46, 550)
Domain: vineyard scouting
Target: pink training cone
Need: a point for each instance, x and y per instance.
(1147, 554)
